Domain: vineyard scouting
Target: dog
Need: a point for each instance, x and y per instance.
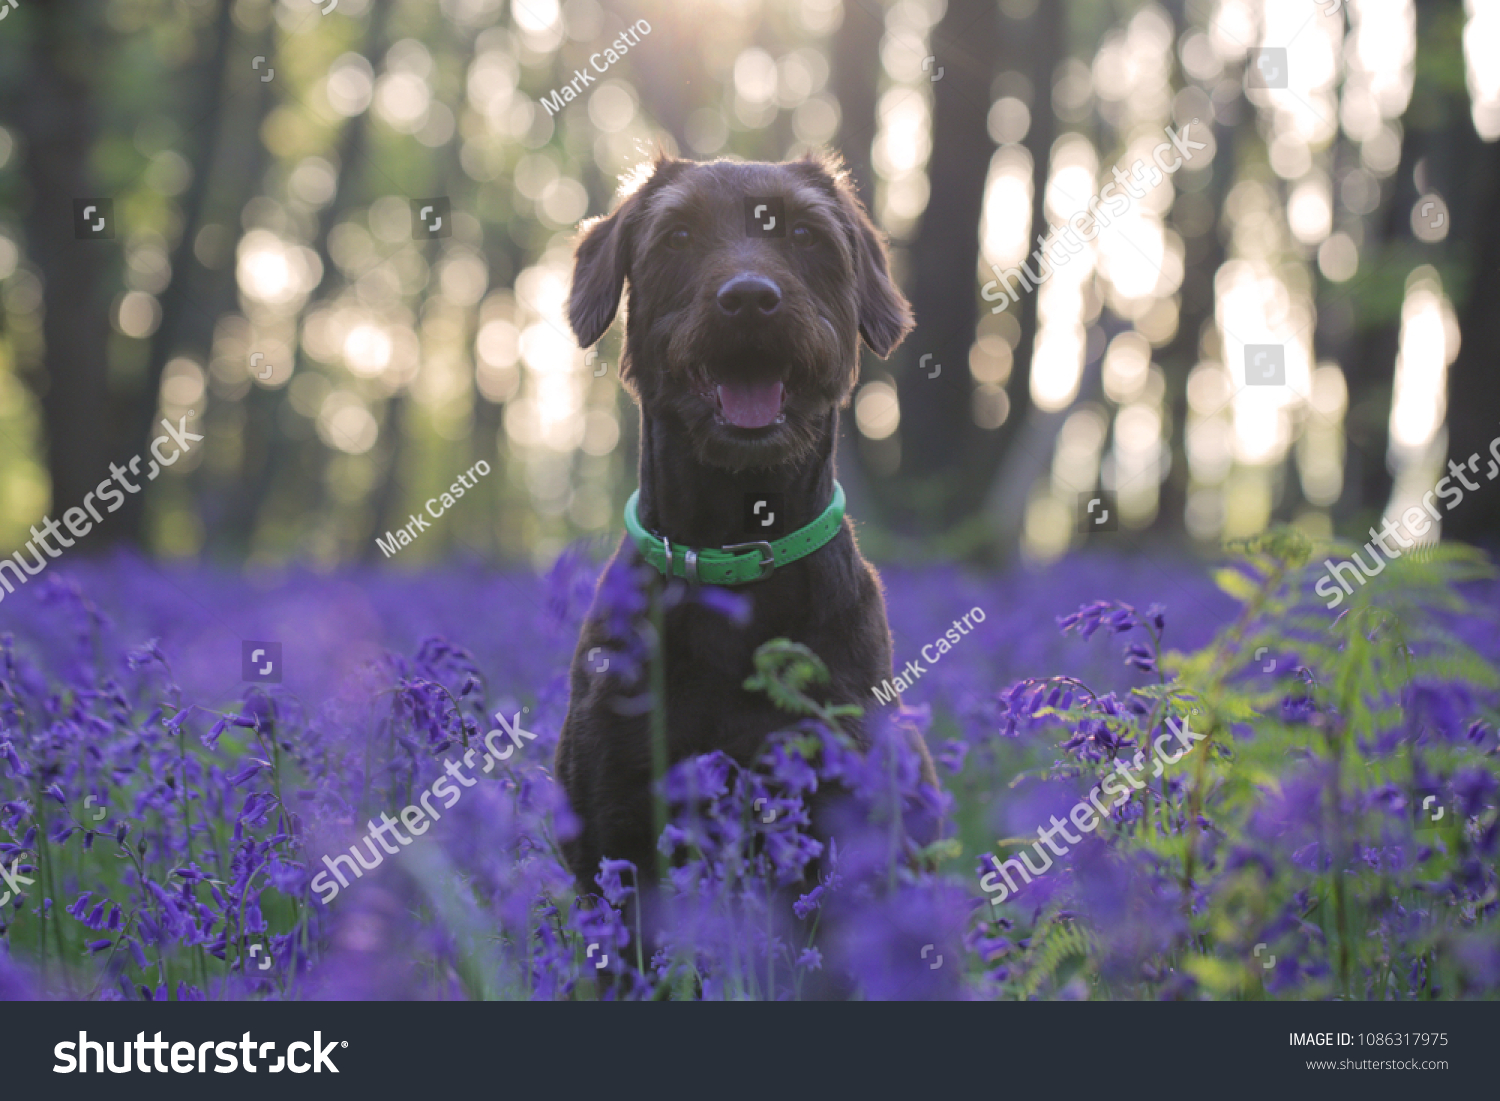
(741, 345)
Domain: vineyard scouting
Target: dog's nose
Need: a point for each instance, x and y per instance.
(749, 296)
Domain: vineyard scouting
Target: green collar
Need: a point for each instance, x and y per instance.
(738, 563)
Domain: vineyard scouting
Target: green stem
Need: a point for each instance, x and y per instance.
(658, 726)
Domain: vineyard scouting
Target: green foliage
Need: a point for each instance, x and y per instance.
(786, 672)
(1288, 833)
(1054, 944)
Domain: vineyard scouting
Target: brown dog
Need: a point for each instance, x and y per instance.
(742, 343)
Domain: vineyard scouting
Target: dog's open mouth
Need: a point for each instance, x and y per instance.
(747, 398)
(757, 404)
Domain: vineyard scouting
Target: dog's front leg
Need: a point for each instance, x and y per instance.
(604, 763)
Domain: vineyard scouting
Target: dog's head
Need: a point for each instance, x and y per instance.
(750, 287)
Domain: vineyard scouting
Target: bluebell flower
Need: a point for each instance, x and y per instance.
(608, 878)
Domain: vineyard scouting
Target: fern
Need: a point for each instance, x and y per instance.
(1291, 697)
(786, 671)
(1054, 942)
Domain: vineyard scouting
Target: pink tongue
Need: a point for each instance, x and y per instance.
(750, 404)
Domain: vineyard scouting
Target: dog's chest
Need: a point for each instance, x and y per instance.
(709, 658)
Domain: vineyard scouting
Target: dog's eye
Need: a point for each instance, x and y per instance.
(680, 238)
(803, 236)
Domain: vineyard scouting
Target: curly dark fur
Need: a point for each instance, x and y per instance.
(696, 468)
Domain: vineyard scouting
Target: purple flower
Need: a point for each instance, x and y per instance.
(11, 758)
(248, 773)
(211, 738)
(1475, 788)
(608, 878)
(204, 851)
(953, 755)
(704, 777)
(809, 902)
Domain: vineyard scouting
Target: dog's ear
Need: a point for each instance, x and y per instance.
(599, 269)
(885, 315)
(601, 263)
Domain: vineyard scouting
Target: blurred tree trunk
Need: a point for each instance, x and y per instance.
(1474, 378)
(229, 513)
(1231, 125)
(388, 501)
(937, 484)
(1371, 370)
(269, 457)
(854, 76)
(1435, 121)
(187, 274)
(854, 79)
(670, 79)
(1016, 454)
(57, 120)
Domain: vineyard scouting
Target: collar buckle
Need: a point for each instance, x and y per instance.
(767, 557)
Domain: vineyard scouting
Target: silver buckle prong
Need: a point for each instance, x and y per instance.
(767, 556)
